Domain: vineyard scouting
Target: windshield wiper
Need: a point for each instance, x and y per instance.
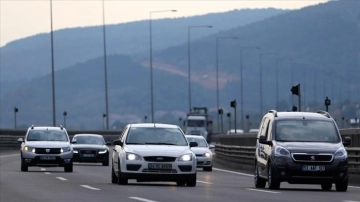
(159, 143)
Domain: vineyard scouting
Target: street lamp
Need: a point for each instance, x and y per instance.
(65, 113)
(52, 65)
(16, 110)
(261, 101)
(189, 74)
(217, 72)
(277, 80)
(105, 69)
(241, 83)
(104, 116)
(151, 68)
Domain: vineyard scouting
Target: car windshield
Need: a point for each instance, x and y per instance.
(89, 140)
(156, 136)
(306, 131)
(201, 142)
(195, 123)
(47, 135)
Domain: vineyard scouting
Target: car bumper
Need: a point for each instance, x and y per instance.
(203, 162)
(97, 158)
(141, 177)
(287, 170)
(60, 160)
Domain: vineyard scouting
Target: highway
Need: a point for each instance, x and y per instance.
(91, 182)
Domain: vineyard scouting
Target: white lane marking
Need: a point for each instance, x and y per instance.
(42, 169)
(9, 155)
(204, 182)
(354, 187)
(47, 173)
(349, 201)
(141, 199)
(88, 187)
(61, 178)
(233, 172)
(273, 192)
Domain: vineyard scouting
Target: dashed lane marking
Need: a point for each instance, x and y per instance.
(61, 178)
(47, 173)
(204, 182)
(9, 155)
(88, 187)
(42, 169)
(233, 172)
(141, 199)
(260, 190)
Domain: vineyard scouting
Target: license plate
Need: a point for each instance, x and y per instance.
(313, 168)
(47, 158)
(88, 155)
(160, 166)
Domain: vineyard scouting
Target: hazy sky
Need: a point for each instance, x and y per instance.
(22, 18)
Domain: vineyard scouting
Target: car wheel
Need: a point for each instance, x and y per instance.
(207, 168)
(114, 179)
(68, 168)
(273, 183)
(180, 183)
(342, 186)
(121, 180)
(105, 163)
(24, 167)
(326, 186)
(259, 182)
(191, 181)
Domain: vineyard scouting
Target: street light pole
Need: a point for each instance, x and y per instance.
(217, 74)
(151, 66)
(241, 84)
(16, 110)
(189, 72)
(261, 99)
(65, 113)
(105, 69)
(52, 66)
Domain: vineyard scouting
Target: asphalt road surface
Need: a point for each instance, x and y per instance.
(91, 182)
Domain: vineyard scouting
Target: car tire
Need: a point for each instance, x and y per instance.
(342, 186)
(209, 169)
(259, 182)
(69, 168)
(105, 163)
(121, 179)
(273, 183)
(114, 179)
(326, 186)
(180, 183)
(191, 182)
(24, 168)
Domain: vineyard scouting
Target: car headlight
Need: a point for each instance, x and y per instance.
(207, 154)
(133, 157)
(29, 149)
(185, 157)
(76, 151)
(341, 153)
(281, 151)
(102, 151)
(64, 149)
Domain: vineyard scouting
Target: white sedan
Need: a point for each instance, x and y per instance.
(202, 152)
(153, 152)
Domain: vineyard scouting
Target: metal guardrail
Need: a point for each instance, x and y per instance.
(246, 155)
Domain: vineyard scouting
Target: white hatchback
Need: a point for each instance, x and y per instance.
(153, 152)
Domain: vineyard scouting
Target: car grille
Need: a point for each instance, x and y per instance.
(312, 157)
(159, 171)
(159, 159)
(51, 150)
(88, 151)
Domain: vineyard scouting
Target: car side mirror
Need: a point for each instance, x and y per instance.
(20, 140)
(108, 143)
(212, 146)
(118, 142)
(193, 144)
(263, 140)
(73, 141)
(347, 141)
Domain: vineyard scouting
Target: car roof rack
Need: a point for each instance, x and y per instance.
(61, 127)
(325, 113)
(32, 126)
(273, 111)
